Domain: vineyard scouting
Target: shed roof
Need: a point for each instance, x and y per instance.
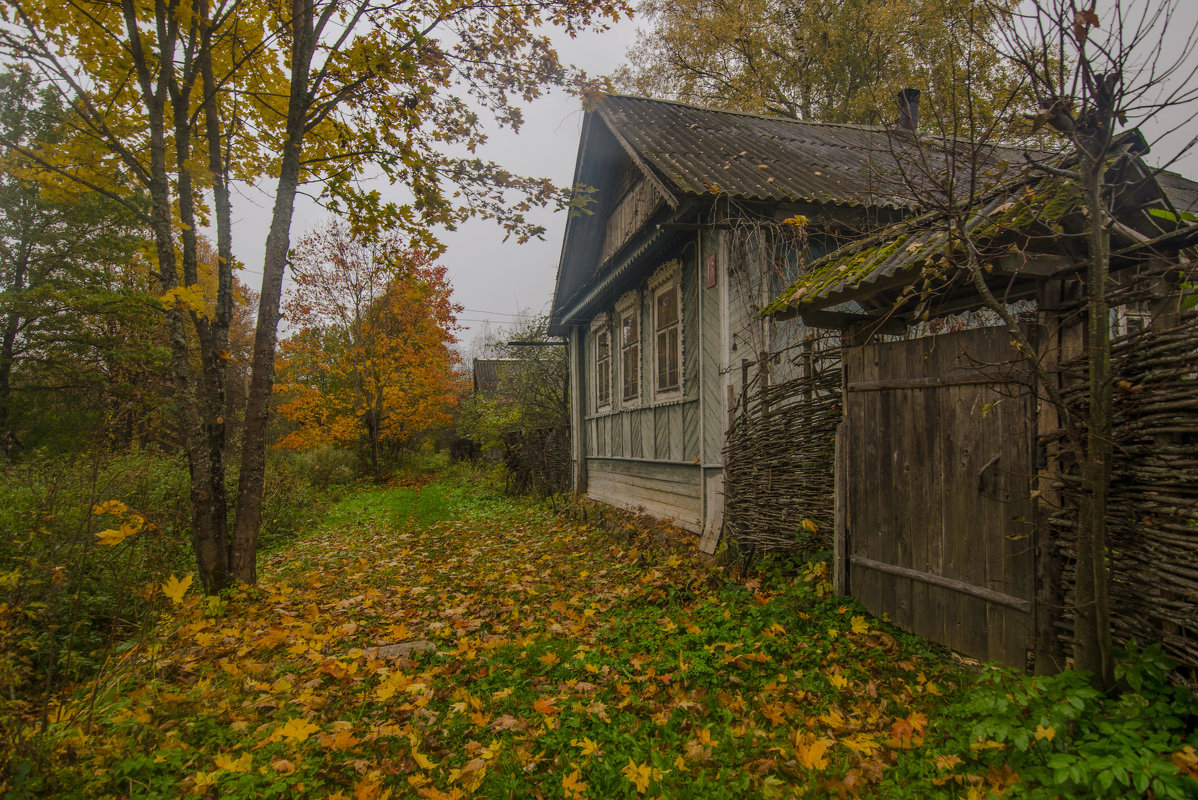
(493, 374)
(1031, 214)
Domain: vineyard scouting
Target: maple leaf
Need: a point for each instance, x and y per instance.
(810, 751)
(1043, 732)
(572, 786)
(470, 775)
(175, 588)
(422, 761)
(112, 537)
(638, 774)
(282, 766)
(545, 707)
(339, 740)
(861, 743)
(1186, 760)
(587, 746)
(946, 762)
(859, 625)
(114, 507)
(1083, 20)
(227, 762)
(369, 788)
(549, 659)
(297, 729)
(204, 780)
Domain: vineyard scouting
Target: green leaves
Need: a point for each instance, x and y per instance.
(570, 661)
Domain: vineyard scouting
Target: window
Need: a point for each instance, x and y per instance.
(603, 367)
(630, 349)
(667, 338)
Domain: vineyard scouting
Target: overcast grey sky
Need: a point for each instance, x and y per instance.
(495, 280)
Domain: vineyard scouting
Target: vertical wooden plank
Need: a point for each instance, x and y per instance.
(648, 423)
(840, 572)
(661, 433)
(578, 426)
(1019, 539)
(954, 520)
(691, 346)
(636, 441)
(690, 432)
(926, 529)
(674, 427)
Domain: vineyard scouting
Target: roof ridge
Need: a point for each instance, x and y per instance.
(769, 117)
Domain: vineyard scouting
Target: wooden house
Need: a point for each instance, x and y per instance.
(694, 219)
(953, 469)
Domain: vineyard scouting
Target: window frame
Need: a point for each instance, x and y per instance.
(629, 308)
(600, 328)
(667, 278)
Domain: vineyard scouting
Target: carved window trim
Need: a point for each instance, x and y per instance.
(601, 362)
(666, 379)
(629, 335)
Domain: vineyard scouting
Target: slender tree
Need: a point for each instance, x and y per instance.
(186, 96)
(1094, 68)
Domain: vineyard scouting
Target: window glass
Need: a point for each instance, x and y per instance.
(667, 339)
(630, 355)
(603, 368)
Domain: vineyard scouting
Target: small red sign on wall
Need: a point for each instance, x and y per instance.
(712, 271)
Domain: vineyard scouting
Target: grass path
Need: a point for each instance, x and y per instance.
(568, 662)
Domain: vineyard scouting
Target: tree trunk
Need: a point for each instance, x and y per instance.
(244, 546)
(1092, 618)
(12, 324)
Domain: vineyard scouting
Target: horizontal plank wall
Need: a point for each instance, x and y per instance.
(667, 491)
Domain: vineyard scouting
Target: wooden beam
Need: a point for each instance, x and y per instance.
(1036, 265)
(932, 383)
(694, 226)
(817, 318)
(989, 595)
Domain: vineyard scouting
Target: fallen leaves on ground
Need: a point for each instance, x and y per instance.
(568, 661)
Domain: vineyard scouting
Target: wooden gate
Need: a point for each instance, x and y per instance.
(934, 507)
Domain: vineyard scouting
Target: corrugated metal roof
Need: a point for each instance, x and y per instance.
(703, 151)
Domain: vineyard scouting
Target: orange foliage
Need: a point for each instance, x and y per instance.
(370, 361)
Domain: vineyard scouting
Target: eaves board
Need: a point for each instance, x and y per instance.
(648, 171)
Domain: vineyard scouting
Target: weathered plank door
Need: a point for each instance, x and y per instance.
(936, 509)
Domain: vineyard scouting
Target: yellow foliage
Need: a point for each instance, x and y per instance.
(174, 588)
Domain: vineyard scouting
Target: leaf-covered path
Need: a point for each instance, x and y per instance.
(569, 662)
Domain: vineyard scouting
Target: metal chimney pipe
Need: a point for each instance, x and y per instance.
(908, 103)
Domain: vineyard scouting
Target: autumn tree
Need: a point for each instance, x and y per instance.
(78, 321)
(180, 99)
(1093, 69)
(371, 361)
(1101, 76)
(821, 60)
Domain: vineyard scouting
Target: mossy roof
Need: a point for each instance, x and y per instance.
(906, 248)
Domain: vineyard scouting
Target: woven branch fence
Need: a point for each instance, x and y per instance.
(537, 460)
(779, 457)
(1153, 506)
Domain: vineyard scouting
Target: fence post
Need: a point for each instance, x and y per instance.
(763, 378)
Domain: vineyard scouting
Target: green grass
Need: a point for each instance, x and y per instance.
(569, 662)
